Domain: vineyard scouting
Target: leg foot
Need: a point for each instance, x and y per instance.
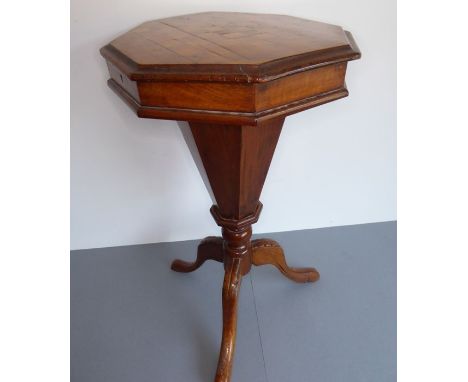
(210, 248)
(266, 251)
(231, 286)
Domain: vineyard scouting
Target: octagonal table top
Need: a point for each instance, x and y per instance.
(225, 46)
(225, 67)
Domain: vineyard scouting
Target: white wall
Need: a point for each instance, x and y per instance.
(134, 181)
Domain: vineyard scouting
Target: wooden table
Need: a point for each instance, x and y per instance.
(234, 77)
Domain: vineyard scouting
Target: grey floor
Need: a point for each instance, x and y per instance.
(134, 320)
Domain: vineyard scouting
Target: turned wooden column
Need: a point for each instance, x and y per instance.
(234, 77)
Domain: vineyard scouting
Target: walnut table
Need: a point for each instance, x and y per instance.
(234, 77)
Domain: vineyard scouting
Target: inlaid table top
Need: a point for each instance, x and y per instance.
(229, 66)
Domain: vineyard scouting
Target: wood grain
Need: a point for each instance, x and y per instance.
(225, 117)
(236, 160)
(198, 95)
(220, 46)
(210, 248)
(269, 252)
(287, 90)
(237, 68)
(231, 287)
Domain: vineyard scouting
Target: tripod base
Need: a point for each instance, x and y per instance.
(262, 252)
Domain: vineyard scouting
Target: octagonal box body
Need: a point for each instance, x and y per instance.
(229, 67)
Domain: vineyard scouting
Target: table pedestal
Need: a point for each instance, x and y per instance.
(234, 162)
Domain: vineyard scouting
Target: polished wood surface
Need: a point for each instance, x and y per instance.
(239, 97)
(236, 160)
(231, 286)
(233, 77)
(229, 67)
(210, 248)
(267, 251)
(225, 117)
(221, 46)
